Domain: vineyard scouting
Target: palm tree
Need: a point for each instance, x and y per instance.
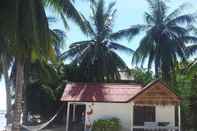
(24, 24)
(97, 57)
(166, 38)
(68, 9)
(192, 69)
(192, 52)
(58, 38)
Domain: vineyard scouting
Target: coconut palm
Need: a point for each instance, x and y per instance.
(68, 9)
(166, 38)
(97, 57)
(58, 38)
(24, 24)
(192, 51)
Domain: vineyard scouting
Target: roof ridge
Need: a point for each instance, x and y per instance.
(93, 83)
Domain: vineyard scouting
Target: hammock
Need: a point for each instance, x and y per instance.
(43, 125)
(40, 126)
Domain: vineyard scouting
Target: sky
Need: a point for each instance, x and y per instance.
(2, 96)
(129, 12)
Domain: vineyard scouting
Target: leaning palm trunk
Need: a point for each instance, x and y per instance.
(7, 87)
(18, 95)
(25, 112)
(26, 70)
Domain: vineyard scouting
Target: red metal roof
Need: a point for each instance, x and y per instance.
(100, 92)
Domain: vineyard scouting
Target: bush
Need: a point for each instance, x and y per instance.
(112, 124)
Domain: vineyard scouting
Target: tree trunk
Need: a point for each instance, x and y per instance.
(25, 112)
(7, 87)
(18, 95)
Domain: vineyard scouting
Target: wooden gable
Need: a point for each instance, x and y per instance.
(156, 94)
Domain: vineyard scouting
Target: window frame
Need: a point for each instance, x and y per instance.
(143, 114)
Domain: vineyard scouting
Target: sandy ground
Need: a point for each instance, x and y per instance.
(59, 128)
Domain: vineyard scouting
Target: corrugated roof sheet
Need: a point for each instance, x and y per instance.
(100, 92)
(155, 92)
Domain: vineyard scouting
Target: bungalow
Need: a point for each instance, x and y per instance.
(153, 107)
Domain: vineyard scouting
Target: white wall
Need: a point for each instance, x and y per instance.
(165, 114)
(122, 111)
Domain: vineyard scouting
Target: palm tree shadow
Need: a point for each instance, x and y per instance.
(87, 92)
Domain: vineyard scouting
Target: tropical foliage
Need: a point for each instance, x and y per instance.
(25, 26)
(166, 38)
(98, 58)
(45, 85)
(107, 125)
(185, 87)
(32, 52)
(141, 75)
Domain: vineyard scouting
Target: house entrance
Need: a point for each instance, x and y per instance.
(77, 117)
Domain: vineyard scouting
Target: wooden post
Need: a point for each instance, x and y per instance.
(67, 116)
(74, 111)
(179, 112)
(85, 117)
(132, 115)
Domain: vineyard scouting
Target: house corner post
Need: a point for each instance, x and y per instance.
(132, 115)
(67, 116)
(179, 113)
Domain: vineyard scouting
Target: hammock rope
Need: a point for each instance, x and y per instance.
(43, 125)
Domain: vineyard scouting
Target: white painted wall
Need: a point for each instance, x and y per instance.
(165, 114)
(122, 111)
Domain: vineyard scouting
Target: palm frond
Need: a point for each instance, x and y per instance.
(183, 19)
(118, 61)
(82, 55)
(151, 59)
(158, 10)
(110, 7)
(99, 20)
(129, 33)
(34, 31)
(151, 4)
(119, 47)
(64, 21)
(177, 12)
(80, 43)
(149, 18)
(58, 39)
(75, 50)
(90, 30)
(192, 68)
(177, 30)
(72, 13)
(146, 46)
(189, 39)
(191, 50)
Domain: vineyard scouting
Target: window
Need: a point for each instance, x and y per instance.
(143, 114)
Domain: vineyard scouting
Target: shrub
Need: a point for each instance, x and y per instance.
(112, 124)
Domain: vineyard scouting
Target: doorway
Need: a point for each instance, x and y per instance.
(77, 117)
